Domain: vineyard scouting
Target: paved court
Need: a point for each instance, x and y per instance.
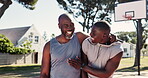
(143, 74)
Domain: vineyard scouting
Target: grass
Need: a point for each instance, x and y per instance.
(126, 65)
(19, 71)
(32, 71)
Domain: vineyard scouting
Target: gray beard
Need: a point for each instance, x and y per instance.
(69, 37)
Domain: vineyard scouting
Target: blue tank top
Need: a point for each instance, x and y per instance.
(59, 55)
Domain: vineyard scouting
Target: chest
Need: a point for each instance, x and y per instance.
(65, 51)
(98, 54)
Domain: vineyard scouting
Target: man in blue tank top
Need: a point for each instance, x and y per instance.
(59, 49)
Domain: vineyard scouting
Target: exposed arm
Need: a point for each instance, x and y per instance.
(81, 37)
(77, 64)
(85, 61)
(45, 68)
(110, 67)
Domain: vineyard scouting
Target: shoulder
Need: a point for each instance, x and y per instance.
(116, 45)
(112, 45)
(117, 57)
(47, 46)
(115, 50)
(81, 36)
(86, 43)
(48, 43)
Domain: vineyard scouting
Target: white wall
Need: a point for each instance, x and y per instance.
(38, 47)
(9, 59)
(129, 49)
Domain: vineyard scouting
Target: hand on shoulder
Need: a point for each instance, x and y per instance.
(81, 36)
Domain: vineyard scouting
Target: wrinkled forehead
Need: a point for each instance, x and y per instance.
(65, 19)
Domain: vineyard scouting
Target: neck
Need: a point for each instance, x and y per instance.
(61, 39)
(107, 43)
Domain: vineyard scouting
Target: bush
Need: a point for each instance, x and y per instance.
(6, 46)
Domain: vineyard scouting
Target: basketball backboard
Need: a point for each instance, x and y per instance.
(131, 10)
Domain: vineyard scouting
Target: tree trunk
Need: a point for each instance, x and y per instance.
(5, 5)
(87, 30)
(83, 28)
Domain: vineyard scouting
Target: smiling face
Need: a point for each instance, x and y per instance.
(66, 26)
(100, 34)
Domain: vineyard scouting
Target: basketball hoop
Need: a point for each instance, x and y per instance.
(128, 17)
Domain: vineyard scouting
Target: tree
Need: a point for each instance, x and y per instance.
(6, 46)
(52, 35)
(29, 4)
(4, 6)
(145, 32)
(87, 12)
(45, 37)
(132, 37)
(122, 1)
(26, 44)
(142, 35)
(127, 36)
(90, 11)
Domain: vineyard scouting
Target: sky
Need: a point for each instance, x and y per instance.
(45, 18)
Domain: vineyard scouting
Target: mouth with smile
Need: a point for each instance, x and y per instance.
(92, 39)
(69, 34)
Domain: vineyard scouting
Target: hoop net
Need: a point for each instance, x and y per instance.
(128, 17)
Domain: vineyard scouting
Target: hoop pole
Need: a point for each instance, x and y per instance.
(139, 42)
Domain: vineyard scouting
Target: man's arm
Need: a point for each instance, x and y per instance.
(84, 61)
(81, 37)
(45, 68)
(110, 67)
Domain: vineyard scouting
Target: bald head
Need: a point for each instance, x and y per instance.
(66, 26)
(63, 16)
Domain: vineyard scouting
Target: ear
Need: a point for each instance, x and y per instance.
(72, 23)
(59, 26)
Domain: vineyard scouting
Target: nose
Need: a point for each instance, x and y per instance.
(104, 36)
(71, 26)
(91, 34)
